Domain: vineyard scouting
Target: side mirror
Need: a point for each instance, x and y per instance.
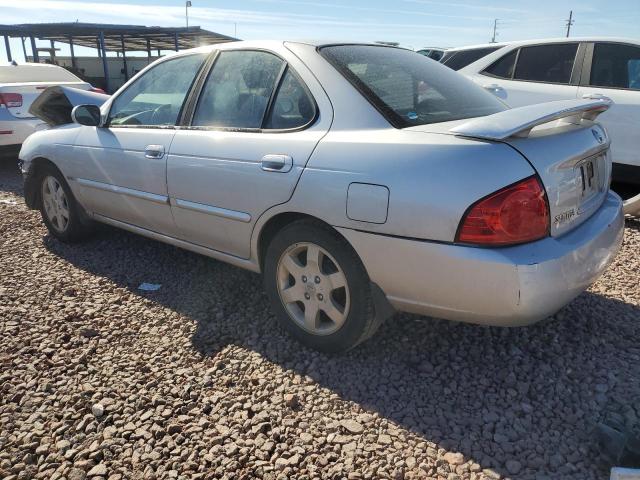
(88, 115)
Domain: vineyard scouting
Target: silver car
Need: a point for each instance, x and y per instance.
(358, 179)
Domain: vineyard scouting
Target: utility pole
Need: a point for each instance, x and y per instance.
(570, 22)
(187, 4)
(495, 27)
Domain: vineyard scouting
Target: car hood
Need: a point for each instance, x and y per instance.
(54, 105)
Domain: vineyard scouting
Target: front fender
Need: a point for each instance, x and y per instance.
(46, 144)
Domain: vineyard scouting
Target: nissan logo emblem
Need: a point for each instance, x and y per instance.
(597, 135)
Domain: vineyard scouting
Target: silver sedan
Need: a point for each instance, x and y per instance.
(358, 179)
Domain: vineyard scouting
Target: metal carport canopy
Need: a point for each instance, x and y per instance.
(134, 37)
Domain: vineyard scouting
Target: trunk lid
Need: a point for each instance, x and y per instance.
(32, 90)
(562, 142)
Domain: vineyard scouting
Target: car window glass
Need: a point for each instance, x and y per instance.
(436, 55)
(616, 66)
(503, 67)
(156, 98)
(293, 106)
(461, 58)
(237, 92)
(546, 63)
(409, 89)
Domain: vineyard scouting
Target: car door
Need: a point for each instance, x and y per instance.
(120, 168)
(253, 128)
(613, 70)
(534, 74)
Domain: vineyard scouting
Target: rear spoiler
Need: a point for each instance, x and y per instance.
(518, 122)
(54, 104)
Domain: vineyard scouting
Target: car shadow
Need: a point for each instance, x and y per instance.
(10, 178)
(529, 394)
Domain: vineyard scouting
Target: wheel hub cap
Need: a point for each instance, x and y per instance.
(55, 203)
(313, 288)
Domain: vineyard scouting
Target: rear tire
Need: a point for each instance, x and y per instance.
(318, 287)
(59, 209)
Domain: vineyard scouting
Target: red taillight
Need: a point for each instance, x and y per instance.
(516, 214)
(96, 90)
(11, 100)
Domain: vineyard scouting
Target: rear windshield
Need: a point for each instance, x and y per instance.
(461, 58)
(409, 89)
(27, 73)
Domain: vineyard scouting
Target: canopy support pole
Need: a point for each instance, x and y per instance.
(105, 67)
(6, 44)
(34, 50)
(124, 59)
(73, 55)
(24, 50)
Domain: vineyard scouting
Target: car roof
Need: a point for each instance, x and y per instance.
(546, 40)
(273, 43)
(28, 65)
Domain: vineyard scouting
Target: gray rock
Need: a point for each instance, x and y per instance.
(98, 410)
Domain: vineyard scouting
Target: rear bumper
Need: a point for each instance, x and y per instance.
(504, 286)
(20, 128)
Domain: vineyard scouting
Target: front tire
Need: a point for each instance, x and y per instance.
(318, 287)
(60, 212)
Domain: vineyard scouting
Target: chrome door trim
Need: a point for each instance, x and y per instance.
(107, 187)
(211, 210)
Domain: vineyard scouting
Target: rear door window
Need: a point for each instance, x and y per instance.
(293, 106)
(237, 92)
(615, 65)
(461, 58)
(546, 63)
(503, 68)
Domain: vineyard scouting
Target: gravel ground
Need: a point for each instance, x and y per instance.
(196, 380)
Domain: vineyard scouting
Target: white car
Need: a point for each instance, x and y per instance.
(20, 85)
(434, 53)
(536, 71)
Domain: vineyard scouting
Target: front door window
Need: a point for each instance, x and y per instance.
(156, 98)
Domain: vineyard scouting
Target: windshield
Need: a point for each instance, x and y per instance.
(409, 89)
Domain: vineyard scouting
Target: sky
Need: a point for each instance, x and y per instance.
(412, 23)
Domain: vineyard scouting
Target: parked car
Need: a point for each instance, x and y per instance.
(432, 52)
(20, 85)
(358, 179)
(524, 73)
(457, 58)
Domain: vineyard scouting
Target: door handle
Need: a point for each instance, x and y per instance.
(154, 151)
(594, 96)
(276, 163)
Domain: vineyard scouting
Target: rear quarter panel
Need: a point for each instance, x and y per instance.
(432, 179)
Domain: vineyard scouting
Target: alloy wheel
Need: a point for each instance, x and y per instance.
(313, 288)
(56, 205)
